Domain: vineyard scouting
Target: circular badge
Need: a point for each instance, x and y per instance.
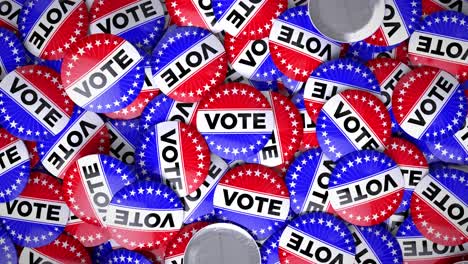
(307, 180)
(294, 36)
(14, 166)
(64, 250)
(188, 62)
(375, 245)
(429, 104)
(413, 166)
(14, 54)
(176, 247)
(85, 134)
(251, 19)
(147, 93)
(333, 77)
(9, 254)
(9, 12)
(50, 27)
(286, 137)
(177, 153)
(236, 121)
(139, 22)
(199, 203)
(366, 187)
(254, 197)
(388, 73)
(438, 206)
(222, 243)
(401, 19)
(88, 234)
(269, 249)
(251, 58)
(193, 13)
(102, 73)
(91, 182)
(35, 106)
(125, 256)
(144, 214)
(124, 137)
(432, 6)
(39, 215)
(442, 41)
(309, 137)
(352, 120)
(418, 249)
(453, 149)
(163, 108)
(316, 238)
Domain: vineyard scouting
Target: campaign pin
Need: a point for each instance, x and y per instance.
(432, 6)
(316, 238)
(144, 215)
(89, 235)
(401, 19)
(198, 13)
(177, 153)
(91, 182)
(453, 149)
(149, 91)
(253, 196)
(103, 73)
(309, 136)
(125, 256)
(49, 28)
(429, 104)
(236, 121)
(63, 250)
(176, 247)
(388, 73)
(85, 134)
(188, 63)
(417, 249)
(35, 106)
(163, 108)
(9, 13)
(366, 187)
(14, 166)
(439, 206)
(38, 215)
(294, 36)
(269, 249)
(124, 137)
(375, 245)
(442, 42)
(199, 203)
(247, 19)
(333, 77)
(139, 22)
(286, 137)
(307, 180)
(352, 120)
(14, 54)
(413, 166)
(251, 58)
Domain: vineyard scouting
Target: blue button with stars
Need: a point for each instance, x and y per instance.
(9, 255)
(13, 52)
(125, 256)
(307, 179)
(375, 245)
(269, 249)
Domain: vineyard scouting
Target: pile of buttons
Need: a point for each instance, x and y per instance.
(128, 126)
